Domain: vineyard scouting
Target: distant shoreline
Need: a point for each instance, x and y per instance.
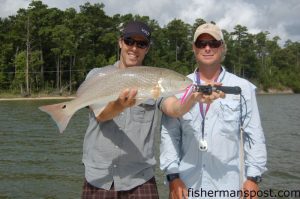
(275, 92)
(36, 98)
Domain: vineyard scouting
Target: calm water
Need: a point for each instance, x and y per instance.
(38, 162)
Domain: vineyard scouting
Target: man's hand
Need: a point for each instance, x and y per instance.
(251, 188)
(177, 189)
(200, 97)
(127, 98)
(208, 99)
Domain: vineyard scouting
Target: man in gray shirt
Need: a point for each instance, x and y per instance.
(118, 148)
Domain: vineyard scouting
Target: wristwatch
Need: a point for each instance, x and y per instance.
(172, 176)
(256, 179)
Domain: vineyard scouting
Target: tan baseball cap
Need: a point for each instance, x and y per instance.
(211, 29)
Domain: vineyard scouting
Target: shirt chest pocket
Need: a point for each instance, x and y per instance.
(144, 112)
(229, 117)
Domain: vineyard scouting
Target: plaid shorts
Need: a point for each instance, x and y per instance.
(148, 190)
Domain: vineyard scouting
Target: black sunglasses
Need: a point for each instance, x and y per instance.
(139, 43)
(210, 43)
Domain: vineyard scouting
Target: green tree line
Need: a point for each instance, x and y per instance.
(47, 50)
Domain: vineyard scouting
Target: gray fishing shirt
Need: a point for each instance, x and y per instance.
(121, 150)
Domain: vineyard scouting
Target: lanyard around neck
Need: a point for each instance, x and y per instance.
(201, 106)
(203, 113)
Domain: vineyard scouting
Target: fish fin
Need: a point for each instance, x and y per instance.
(93, 77)
(85, 85)
(156, 92)
(58, 114)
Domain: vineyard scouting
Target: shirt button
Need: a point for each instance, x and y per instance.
(203, 165)
(116, 147)
(115, 166)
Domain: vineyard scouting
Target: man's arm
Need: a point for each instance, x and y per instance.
(170, 155)
(173, 107)
(170, 144)
(126, 99)
(254, 147)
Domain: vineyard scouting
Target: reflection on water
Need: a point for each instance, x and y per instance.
(38, 162)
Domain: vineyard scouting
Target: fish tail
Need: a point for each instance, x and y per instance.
(59, 114)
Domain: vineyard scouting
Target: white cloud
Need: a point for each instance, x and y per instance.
(9, 7)
(233, 16)
(197, 9)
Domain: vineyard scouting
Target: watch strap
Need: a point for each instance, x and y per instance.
(256, 179)
(172, 176)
